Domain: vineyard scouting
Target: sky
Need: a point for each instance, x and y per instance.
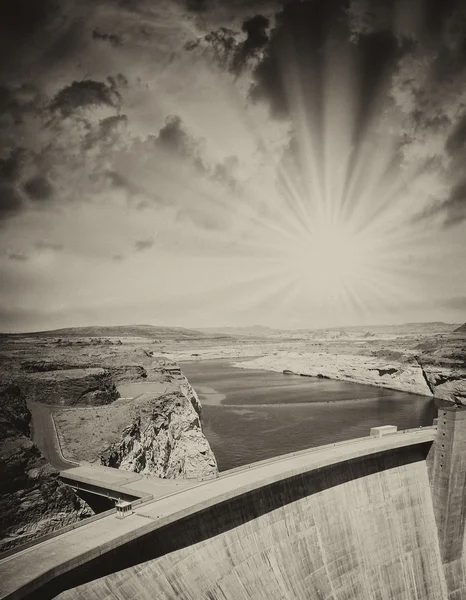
(195, 163)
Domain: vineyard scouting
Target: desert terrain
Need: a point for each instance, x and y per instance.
(61, 402)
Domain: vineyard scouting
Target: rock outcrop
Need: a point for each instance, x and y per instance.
(70, 387)
(33, 501)
(166, 439)
(127, 373)
(405, 376)
(449, 385)
(443, 361)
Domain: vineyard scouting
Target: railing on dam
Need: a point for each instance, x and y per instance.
(258, 463)
(139, 499)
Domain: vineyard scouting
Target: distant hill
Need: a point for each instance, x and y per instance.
(150, 331)
(252, 331)
(461, 329)
(433, 327)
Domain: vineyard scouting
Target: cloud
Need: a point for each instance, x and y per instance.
(146, 244)
(173, 138)
(231, 49)
(112, 38)
(85, 94)
(219, 45)
(10, 202)
(45, 245)
(256, 30)
(10, 167)
(197, 5)
(454, 206)
(107, 132)
(17, 256)
(224, 172)
(39, 188)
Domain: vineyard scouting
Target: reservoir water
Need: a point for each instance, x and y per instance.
(250, 415)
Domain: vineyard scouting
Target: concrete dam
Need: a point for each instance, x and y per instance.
(373, 518)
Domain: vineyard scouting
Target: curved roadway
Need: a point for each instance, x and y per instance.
(44, 435)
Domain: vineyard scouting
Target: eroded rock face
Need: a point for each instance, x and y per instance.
(166, 440)
(33, 501)
(69, 387)
(448, 385)
(406, 376)
(127, 373)
(443, 361)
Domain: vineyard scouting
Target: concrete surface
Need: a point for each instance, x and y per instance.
(116, 483)
(375, 478)
(44, 435)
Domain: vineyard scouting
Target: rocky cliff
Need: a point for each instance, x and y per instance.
(165, 439)
(33, 501)
(69, 387)
(404, 375)
(443, 361)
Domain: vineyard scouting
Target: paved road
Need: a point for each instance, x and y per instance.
(63, 552)
(45, 436)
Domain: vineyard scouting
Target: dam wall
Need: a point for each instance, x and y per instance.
(360, 529)
(447, 470)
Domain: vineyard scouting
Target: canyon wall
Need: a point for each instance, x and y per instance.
(33, 501)
(165, 439)
(405, 376)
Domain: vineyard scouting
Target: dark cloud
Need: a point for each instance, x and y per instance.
(224, 46)
(303, 35)
(17, 102)
(298, 39)
(39, 188)
(11, 166)
(85, 94)
(117, 180)
(256, 40)
(174, 139)
(142, 245)
(197, 5)
(18, 257)
(10, 202)
(118, 80)
(456, 141)
(112, 38)
(221, 44)
(44, 245)
(37, 35)
(118, 257)
(106, 133)
(23, 18)
(455, 205)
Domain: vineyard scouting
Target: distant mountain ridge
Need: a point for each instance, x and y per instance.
(151, 331)
(247, 331)
(461, 329)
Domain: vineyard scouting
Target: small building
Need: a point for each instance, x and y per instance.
(172, 369)
(123, 509)
(383, 430)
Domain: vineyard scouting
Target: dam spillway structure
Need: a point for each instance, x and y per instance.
(372, 518)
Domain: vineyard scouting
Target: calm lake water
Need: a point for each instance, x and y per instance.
(250, 415)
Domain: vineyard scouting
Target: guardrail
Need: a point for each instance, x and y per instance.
(147, 500)
(320, 448)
